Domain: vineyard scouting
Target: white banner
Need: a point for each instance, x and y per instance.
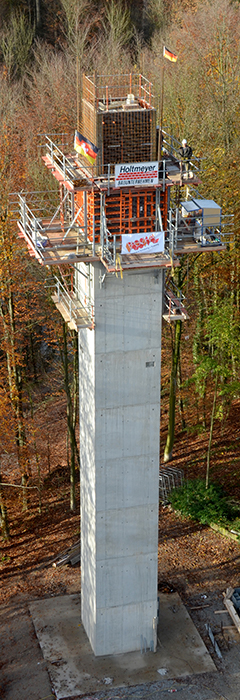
(142, 243)
(132, 174)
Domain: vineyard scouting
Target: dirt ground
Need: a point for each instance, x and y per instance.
(192, 557)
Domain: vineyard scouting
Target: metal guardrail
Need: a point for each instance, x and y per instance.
(57, 156)
(227, 226)
(75, 309)
(41, 233)
(172, 146)
(31, 226)
(169, 478)
(91, 172)
(203, 229)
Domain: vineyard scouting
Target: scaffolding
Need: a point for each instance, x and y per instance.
(97, 207)
(198, 223)
(76, 313)
(53, 240)
(173, 308)
(89, 227)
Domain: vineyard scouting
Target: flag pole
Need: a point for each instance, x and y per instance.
(161, 115)
(173, 58)
(78, 101)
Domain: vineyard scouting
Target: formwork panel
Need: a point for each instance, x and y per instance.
(127, 211)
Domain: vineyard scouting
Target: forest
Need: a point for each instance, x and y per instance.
(44, 48)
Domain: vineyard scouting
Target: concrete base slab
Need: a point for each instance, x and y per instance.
(75, 671)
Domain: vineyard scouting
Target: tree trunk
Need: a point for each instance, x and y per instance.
(4, 516)
(70, 424)
(15, 390)
(172, 397)
(181, 407)
(211, 431)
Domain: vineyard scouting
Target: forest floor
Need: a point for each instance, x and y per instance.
(194, 560)
(192, 557)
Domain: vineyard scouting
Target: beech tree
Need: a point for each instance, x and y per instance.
(11, 348)
(69, 359)
(221, 334)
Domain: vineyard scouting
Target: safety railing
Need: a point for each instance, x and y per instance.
(57, 239)
(103, 88)
(58, 158)
(74, 165)
(32, 226)
(82, 315)
(227, 227)
(172, 145)
(202, 227)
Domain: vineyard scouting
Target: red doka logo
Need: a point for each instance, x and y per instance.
(141, 243)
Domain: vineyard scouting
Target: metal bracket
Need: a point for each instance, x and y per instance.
(102, 279)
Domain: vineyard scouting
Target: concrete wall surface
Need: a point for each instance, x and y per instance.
(119, 437)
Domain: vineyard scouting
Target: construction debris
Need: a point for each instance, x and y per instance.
(70, 556)
(220, 612)
(229, 600)
(213, 640)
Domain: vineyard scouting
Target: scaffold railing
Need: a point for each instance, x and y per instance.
(77, 313)
(54, 239)
(108, 89)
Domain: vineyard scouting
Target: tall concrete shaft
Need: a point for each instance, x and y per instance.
(119, 434)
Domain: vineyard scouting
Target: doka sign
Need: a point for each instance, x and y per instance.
(132, 174)
(143, 243)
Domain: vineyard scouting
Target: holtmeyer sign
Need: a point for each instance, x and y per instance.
(132, 174)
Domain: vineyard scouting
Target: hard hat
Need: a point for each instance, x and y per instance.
(184, 142)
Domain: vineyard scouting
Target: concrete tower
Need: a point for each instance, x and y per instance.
(119, 426)
(114, 229)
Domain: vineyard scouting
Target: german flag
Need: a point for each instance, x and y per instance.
(168, 54)
(85, 147)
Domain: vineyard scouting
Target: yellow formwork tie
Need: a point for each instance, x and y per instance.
(119, 266)
(172, 266)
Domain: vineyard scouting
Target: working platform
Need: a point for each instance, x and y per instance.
(130, 262)
(75, 173)
(62, 240)
(76, 313)
(74, 234)
(53, 246)
(198, 225)
(174, 310)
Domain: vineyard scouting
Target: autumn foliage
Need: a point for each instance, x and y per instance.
(39, 94)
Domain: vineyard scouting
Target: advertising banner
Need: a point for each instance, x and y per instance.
(132, 174)
(143, 243)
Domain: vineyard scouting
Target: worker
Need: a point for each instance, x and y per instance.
(185, 153)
